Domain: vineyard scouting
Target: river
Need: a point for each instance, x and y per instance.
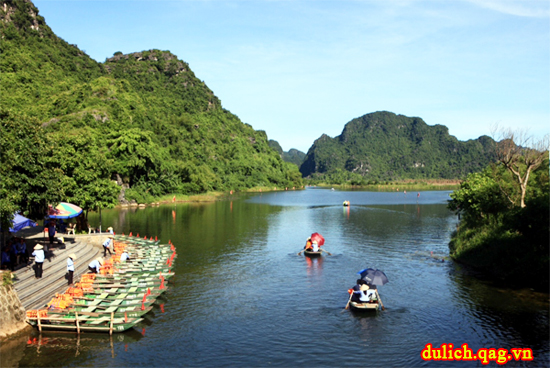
(243, 297)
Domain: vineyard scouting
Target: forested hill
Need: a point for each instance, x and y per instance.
(292, 155)
(386, 146)
(143, 119)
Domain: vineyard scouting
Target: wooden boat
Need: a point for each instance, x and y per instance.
(133, 276)
(117, 296)
(115, 303)
(311, 253)
(364, 307)
(125, 285)
(82, 323)
(98, 311)
(151, 270)
(120, 289)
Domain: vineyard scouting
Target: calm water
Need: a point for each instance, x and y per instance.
(243, 297)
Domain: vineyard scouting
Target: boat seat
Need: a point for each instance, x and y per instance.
(111, 309)
(89, 309)
(95, 302)
(132, 289)
(121, 296)
(99, 320)
(116, 302)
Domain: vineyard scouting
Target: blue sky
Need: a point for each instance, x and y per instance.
(301, 68)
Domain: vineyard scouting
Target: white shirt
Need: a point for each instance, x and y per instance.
(70, 264)
(39, 255)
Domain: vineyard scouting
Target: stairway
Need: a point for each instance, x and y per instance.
(36, 293)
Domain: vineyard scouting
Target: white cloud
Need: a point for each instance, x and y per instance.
(520, 8)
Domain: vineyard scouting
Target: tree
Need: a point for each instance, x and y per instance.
(479, 197)
(520, 154)
(86, 168)
(30, 177)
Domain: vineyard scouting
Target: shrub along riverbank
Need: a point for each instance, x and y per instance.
(399, 186)
(496, 235)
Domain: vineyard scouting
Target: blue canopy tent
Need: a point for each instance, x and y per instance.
(20, 222)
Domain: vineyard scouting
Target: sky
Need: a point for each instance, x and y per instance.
(298, 69)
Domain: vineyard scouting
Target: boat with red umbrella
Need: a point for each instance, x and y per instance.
(317, 239)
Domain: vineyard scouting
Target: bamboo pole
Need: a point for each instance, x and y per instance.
(111, 325)
(77, 324)
(380, 300)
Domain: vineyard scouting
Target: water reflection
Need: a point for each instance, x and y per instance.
(520, 315)
(314, 266)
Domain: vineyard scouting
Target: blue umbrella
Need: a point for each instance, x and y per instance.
(20, 222)
(373, 277)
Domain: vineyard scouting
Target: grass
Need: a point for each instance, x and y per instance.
(215, 196)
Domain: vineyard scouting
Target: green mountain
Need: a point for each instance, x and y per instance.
(293, 155)
(143, 120)
(386, 146)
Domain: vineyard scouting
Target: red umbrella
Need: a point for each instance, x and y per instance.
(316, 237)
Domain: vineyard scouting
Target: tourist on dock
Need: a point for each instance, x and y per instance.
(6, 259)
(107, 245)
(70, 268)
(124, 256)
(51, 231)
(110, 230)
(21, 250)
(95, 265)
(39, 257)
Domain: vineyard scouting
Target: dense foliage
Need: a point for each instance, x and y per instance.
(142, 120)
(499, 237)
(386, 146)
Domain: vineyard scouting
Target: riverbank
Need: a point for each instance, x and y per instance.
(503, 256)
(207, 197)
(406, 185)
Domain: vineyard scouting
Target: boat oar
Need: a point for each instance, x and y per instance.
(322, 250)
(380, 299)
(300, 252)
(349, 300)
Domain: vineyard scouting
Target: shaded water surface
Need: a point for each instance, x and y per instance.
(243, 297)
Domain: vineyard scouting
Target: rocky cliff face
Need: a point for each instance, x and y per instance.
(12, 313)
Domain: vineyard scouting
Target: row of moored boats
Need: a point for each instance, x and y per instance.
(116, 298)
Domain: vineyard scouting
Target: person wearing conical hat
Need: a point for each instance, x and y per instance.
(70, 268)
(39, 257)
(107, 245)
(125, 256)
(95, 265)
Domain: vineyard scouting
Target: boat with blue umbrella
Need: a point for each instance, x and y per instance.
(364, 295)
